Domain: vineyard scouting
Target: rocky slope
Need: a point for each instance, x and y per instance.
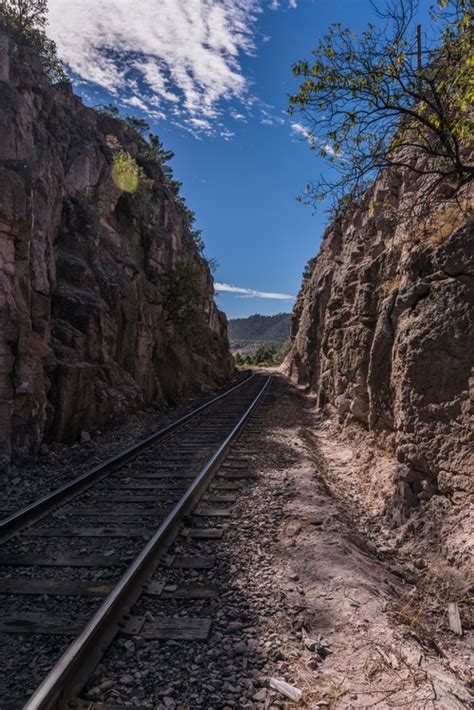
(85, 335)
(383, 334)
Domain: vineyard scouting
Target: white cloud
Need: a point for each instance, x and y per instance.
(187, 53)
(330, 150)
(182, 57)
(237, 116)
(298, 130)
(135, 102)
(201, 123)
(275, 4)
(269, 119)
(301, 132)
(252, 293)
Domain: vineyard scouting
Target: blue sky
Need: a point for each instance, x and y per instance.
(212, 77)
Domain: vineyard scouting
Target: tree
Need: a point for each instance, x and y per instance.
(139, 125)
(239, 359)
(26, 14)
(183, 296)
(27, 20)
(164, 155)
(370, 102)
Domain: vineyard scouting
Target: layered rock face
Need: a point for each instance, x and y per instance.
(84, 334)
(383, 333)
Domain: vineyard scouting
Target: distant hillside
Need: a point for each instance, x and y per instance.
(246, 334)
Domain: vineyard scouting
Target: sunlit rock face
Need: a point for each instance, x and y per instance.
(383, 333)
(83, 332)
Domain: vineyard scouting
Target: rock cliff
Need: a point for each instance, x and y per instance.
(383, 334)
(84, 331)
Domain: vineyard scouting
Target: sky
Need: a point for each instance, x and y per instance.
(212, 78)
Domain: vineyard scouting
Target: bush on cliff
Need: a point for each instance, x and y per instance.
(126, 174)
(25, 21)
(183, 290)
(152, 151)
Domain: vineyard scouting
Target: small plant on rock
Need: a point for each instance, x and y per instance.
(126, 174)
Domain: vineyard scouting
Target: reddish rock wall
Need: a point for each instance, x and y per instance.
(383, 333)
(83, 332)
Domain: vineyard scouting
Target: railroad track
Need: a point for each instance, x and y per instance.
(73, 564)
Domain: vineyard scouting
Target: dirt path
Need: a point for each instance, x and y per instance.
(362, 628)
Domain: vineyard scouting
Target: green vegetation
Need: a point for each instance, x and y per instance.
(382, 99)
(126, 174)
(264, 356)
(259, 340)
(129, 177)
(26, 21)
(183, 296)
(152, 151)
(258, 328)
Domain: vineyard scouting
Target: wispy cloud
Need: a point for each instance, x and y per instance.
(135, 102)
(252, 293)
(186, 52)
(301, 132)
(276, 4)
(269, 119)
(237, 116)
(179, 56)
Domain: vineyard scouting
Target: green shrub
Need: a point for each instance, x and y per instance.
(184, 296)
(26, 20)
(264, 356)
(126, 174)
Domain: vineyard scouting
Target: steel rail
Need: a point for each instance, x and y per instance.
(38, 509)
(71, 671)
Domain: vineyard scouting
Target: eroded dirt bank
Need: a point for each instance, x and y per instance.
(376, 599)
(311, 591)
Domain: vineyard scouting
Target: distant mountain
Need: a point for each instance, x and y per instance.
(247, 334)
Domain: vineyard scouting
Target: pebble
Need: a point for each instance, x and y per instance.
(106, 685)
(240, 648)
(126, 680)
(94, 694)
(234, 626)
(310, 644)
(85, 437)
